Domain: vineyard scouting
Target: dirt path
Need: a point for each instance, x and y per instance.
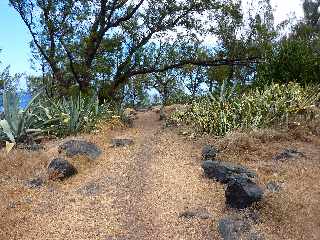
(140, 192)
(137, 192)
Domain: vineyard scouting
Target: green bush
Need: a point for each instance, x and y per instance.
(72, 115)
(44, 116)
(227, 111)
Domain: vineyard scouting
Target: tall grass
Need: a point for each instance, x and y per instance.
(227, 111)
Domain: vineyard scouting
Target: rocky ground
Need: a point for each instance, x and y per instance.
(153, 186)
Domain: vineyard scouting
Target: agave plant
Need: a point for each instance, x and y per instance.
(18, 123)
(71, 115)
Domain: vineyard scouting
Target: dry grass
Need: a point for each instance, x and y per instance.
(142, 189)
(294, 212)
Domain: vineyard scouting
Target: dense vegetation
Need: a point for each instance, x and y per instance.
(221, 113)
(103, 55)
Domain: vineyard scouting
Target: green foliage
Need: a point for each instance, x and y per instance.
(296, 56)
(227, 111)
(43, 116)
(106, 43)
(292, 60)
(72, 115)
(179, 97)
(311, 12)
(18, 123)
(135, 93)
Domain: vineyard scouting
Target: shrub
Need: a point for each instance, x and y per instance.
(227, 111)
(72, 115)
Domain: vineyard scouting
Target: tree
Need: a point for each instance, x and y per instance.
(296, 56)
(311, 9)
(102, 44)
(249, 34)
(136, 92)
(216, 76)
(166, 84)
(193, 77)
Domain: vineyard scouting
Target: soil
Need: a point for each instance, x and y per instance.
(143, 190)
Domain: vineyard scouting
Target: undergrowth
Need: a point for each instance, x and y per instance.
(229, 110)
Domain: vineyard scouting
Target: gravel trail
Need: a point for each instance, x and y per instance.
(135, 192)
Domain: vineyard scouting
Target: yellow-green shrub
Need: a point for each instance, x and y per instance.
(253, 109)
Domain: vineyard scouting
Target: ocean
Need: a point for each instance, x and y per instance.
(25, 98)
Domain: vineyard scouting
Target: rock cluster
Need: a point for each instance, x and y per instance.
(241, 191)
(60, 168)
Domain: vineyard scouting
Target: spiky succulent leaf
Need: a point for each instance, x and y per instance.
(6, 129)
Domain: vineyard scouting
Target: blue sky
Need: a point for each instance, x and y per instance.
(15, 38)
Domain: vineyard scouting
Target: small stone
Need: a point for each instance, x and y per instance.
(90, 189)
(199, 213)
(80, 147)
(35, 147)
(192, 136)
(273, 187)
(242, 193)
(35, 183)
(162, 116)
(185, 133)
(12, 205)
(187, 214)
(60, 169)
(253, 216)
(209, 152)
(121, 142)
(28, 200)
(255, 236)
(142, 109)
(128, 116)
(232, 229)
(30, 146)
(288, 154)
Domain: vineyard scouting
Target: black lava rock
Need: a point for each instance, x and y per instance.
(80, 147)
(225, 172)
(242, 193)
(60, 169)
(209, 152)
(121, 142)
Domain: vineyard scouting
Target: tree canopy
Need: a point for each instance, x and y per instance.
(105, 43)
(115, 48)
